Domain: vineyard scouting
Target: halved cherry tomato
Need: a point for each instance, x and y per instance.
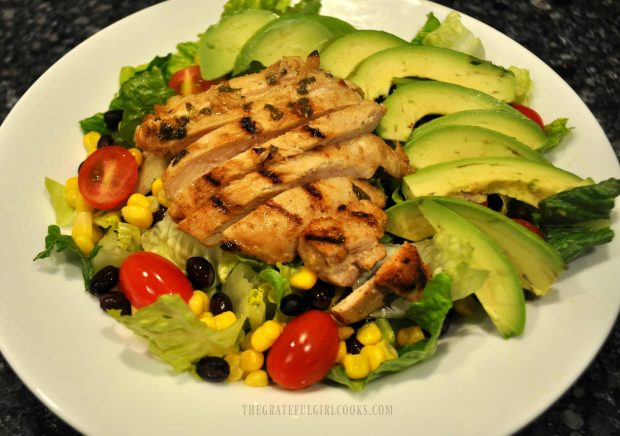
(144, 276)
(528, 225)
(188, 81)
(305, 351)
(107, 177)
(530, 113)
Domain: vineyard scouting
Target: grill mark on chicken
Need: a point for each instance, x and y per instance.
(337, 240)
(178, 157)
(337, 126)
(359, 157)
(276, 113)
(219, 204)
(249, 125)
(281, 210)
(314, 131)
(303, 85)
(368, 218)
(301, 107)
(271, 175)
(209, 178)
(313, 190)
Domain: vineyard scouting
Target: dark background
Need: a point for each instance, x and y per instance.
(579, 39)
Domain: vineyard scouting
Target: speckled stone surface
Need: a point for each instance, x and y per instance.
(580, 39)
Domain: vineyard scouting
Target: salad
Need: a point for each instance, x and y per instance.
(216, 313)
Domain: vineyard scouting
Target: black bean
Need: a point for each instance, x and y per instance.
(113, 118)
(353, 345)
(104, 280)
(293, 305)
(213, 369)
(200, 272)
(159, 214)
(220, 302)
(105, 140)
(320, 296)
(115, 301)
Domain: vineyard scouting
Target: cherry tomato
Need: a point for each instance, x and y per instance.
(530, 113)
(188, 81)
(528, 225)
(144, 276)
(305, 351)
(107, 177)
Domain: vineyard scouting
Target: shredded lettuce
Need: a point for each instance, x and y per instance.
(176, 336)
(454, 35)
(64, 213)
(246, 294)
(556, 131)
(523, 84)
(432, 23)
(279, 282)
(279, 7)
(119, 242)
(429, 313)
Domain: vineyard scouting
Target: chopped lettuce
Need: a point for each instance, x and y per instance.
(454, 35)
(432, 23)
(279, 7)
(119, 242)
(56, 241)
(279, 282)
(64, 212)
(523, 84)
(556, 131)
(176, 336)
(429, 313)
(94, 123)
(184, 57)
(578, 219)
(246, 294)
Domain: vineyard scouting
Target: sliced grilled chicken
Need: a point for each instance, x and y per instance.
(334, 127)
(359, 157)
(288, 214)
(403, 273)
(178, 124)
(267, 122)
(336, 248)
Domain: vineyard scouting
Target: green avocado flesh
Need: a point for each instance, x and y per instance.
(343, 54)
(221, 43)
(375, 74)
(452, 142)
(522, 179)
(410, 102)
(511, 124)
(290, 35)
(500, 294)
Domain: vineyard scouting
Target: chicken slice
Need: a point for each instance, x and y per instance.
(271, 232)
(336, 248)
(403, 273)
(267, 122)
(359, 158)
(334, 127)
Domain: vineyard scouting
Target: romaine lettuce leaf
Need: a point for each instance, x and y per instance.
(556, 131)
(184, 57)
(454, 35)
(176, 336)
(523, 84)
(246, 296)
(432, 23)
(429, 313)
(118, 243)
(279, 7)
(94, 123)
(64, 212)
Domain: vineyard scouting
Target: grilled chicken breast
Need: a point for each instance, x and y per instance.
(272, 231)
(359, 157)
(334, 127)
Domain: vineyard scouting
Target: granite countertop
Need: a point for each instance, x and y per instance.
(579, 39)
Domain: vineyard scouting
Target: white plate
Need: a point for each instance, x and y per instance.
(97, 376)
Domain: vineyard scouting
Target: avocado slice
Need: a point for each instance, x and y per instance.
(290, 35)
(538, 263)
(522, 179)
(374, 75)
(500, 293)
(509, 123)
(452, 142)
(344, 53)
(221, 43)
(418, 98)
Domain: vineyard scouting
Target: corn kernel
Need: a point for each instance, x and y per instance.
(389, 350)
(137, 154)
(140, 200)
(208, 319)
(84, 243)
(304, 278)
(71, 191)
(90, 141)
(409, 335)
(163, 200)
(81, 205)
(157, 186)
(257, 379)
(265, 335)
(345, 332)
(224, 320)
(369, 334)
(356, 366)
(196, 303)
(82, 231)
(236, 373)
(251, 360)
(138, 216)
(376, 355)
(342, 351)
